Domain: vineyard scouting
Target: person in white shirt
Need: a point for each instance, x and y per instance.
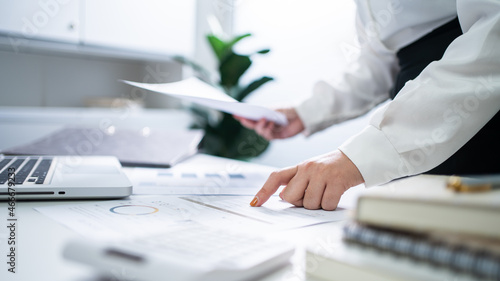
(439, 61)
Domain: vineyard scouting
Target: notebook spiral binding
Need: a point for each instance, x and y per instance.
(479, 263)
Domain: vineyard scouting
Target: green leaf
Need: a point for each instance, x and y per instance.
(252, 87)
(222, 48)
(202, 72)
(230, 139)
(232, 68)
(236, 39)
(218, 46)
(233, 91)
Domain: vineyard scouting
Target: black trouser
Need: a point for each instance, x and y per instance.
(481, 154)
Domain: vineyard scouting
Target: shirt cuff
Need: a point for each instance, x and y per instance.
(374, 156)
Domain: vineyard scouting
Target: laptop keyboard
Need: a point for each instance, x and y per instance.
(33, 169)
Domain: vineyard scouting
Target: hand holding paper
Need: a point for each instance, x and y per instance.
(197, 91)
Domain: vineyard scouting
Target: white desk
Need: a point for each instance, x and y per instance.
(40, 239)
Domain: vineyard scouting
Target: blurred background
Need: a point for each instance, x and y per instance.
(72, 53)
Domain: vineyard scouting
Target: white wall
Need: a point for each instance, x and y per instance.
(307, 39)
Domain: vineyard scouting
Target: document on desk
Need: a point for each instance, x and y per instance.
(194, 180)
(201, 175)
(196, 91)
(145, 215)
(274, 212)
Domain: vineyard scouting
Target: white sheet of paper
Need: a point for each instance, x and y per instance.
(135, 217)
(146, 215)
(199, 92)
(274, 212)
(195, 180)
(201, 175)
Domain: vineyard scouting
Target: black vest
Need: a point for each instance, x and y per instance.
(481, 154)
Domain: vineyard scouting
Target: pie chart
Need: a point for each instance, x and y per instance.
(133, 210)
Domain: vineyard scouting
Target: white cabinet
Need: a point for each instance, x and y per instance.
(159, 26)
(145, 26)
(56, 20)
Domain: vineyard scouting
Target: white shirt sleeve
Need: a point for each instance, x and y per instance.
(439, 111)
(365, 84)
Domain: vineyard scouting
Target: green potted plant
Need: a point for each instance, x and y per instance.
(225, 136)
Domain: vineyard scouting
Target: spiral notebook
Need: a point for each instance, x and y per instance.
(466, 254)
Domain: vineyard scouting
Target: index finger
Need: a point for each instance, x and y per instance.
(275, 180)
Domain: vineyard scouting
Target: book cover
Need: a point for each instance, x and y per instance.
(423, 203)
(348, 261)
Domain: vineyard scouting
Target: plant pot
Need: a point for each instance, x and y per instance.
(230, 139)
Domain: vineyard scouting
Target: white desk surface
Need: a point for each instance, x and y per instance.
(40, 239)
(40, 243)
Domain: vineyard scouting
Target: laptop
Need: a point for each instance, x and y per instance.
(62, 177)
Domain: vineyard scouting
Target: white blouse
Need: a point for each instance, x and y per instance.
(433, 115)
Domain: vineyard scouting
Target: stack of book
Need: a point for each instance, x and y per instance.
(416, 229)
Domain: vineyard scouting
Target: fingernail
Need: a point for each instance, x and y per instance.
(254, 201)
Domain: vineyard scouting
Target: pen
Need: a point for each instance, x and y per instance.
(473, 183)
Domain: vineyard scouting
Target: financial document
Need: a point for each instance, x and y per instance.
(196, 91)
(274, 212)
(145, 215)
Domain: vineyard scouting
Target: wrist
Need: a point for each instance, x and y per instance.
(352, 171)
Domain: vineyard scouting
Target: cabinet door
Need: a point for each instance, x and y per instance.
(41, 19)
(159, 26)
